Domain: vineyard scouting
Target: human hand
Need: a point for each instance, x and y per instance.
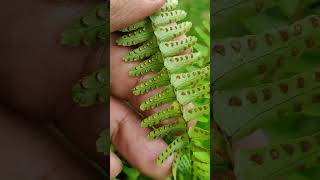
(125, 131)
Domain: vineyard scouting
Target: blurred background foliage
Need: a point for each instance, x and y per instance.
(296, 125)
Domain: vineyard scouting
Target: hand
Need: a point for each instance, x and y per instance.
(37, 75)
(126, 134)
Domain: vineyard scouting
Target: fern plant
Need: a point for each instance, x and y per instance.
(184, 82)
(266, 76)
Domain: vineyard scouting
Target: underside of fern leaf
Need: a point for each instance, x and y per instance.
(161, 49)
(264, 76)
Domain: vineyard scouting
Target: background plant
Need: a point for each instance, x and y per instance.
(265, 80)
(91, 29)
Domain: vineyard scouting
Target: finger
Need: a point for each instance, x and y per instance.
(115, 165)
(130, 141)
(126, 12)
(28, 151)
(121, 84)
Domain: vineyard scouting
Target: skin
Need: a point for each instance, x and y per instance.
(37, 74)
(125, 123)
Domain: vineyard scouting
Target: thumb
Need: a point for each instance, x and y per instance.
(115, 165)
(126, 12)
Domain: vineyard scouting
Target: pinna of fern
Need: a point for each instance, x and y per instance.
(90, 29)
(256, 80)
(183, 79)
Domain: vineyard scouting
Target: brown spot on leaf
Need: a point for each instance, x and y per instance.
(317, 76)
(252, 97)
(219, 49)
(314, 22)
(235, 101)
(297, 29)
(316, 98)
(298, 107)
(274, 154)
(280, 61)
(284, 88)
(257, 158)
(305, 145)
(310, 42)
(252, 44)
(288, 148)
(284, 35)
(259, 6)
(266, 94)
(268, 37)
(236, 45)
(261, 68)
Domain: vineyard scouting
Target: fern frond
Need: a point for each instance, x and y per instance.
(266, 103)
(184, 78)
(88, 29)
(147, 49)
(179, 125)
(173, 110)
(178, 64)
(165, 96)
(159, 80)
(153, 64)
(91, 89)
(103, 143)
(254, 55)
(177, 144)
(136, 37)
(279, 159)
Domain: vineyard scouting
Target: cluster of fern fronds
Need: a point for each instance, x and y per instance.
(184, 81)
(267, 78)
(89, 30)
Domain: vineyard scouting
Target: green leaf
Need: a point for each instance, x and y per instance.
(177, 126)
(159, 80)
(88, 29)
(165, 96)
(277, 160)
(173, 110)
(153, 64)
(91, 89)
(177, 144)
(139, 36)
(103, 142)
(186, 96)
(163, 18)
(172, 48)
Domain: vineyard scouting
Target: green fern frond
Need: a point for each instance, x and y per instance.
(91, 89)
(89, 29)
(265, 77)
(103, 142)
(279, 159)
(184, 78)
